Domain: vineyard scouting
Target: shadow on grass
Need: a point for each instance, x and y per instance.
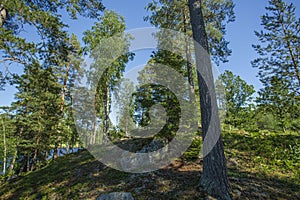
(80, 176)
(261, 186)
(271, 154)
(265, 166)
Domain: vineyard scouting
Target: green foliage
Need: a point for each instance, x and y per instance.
(151, 94)
(145, 113)
(105, 42)
(36, 108)
(235, 96)
(192, 153)
(41, 114)
(266, 121)
(7, 140)
(270, 152)
(80, 176)
(44, 21)
(277, 100)
(278, 64)
(123, 101)
(279, 45)
(175, 15)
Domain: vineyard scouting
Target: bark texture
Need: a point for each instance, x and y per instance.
(2, 15)
(4, 148)
(214, 178)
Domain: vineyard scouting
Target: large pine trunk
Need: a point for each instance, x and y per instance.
(214, 178)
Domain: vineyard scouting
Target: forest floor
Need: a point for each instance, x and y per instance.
(260, 166)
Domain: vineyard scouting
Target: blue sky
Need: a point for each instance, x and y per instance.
(240, 34)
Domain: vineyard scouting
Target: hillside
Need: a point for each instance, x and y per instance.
(80, 176)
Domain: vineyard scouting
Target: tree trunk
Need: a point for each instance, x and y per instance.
(62, 107)
(293, 56)
(2, 14)
(188, 54)
(46, 155)
(55, 152)
(13, 161)
(23, 165)
(28, 163)
(126, 129)
(214, 178)
(106, 110)
(67, 148)
(64, 90)
(37, 143)
(94, 129)
(4, 148)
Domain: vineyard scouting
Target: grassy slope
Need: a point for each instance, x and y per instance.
(264, 165)
(260, 167)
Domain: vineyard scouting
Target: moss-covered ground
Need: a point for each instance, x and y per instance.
(261, 165)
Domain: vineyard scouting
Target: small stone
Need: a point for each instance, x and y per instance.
(237, 193)
(116, 196)
(210, 198)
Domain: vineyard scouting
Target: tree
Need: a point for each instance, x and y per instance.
(214, 178)
(66, 73)
(238, 95)
(172, 16)
(4, 147)
(277, 100)
(37, 108)
(41, 114)
(43, 20)
(156, 107)
(279, 48)
(123, 99)
(111, 25)
(42, 110)
(175, 15)
(278, 64)
(6, 138)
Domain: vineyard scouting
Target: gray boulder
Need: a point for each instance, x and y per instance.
(145, 159)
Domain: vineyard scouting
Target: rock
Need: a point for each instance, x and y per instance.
(145, 158)
(153, 146)
(264, 195)
(210, 198)
(138, 190)
(116, 196)
(235, 162)
(232, 163)
(237, 193)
